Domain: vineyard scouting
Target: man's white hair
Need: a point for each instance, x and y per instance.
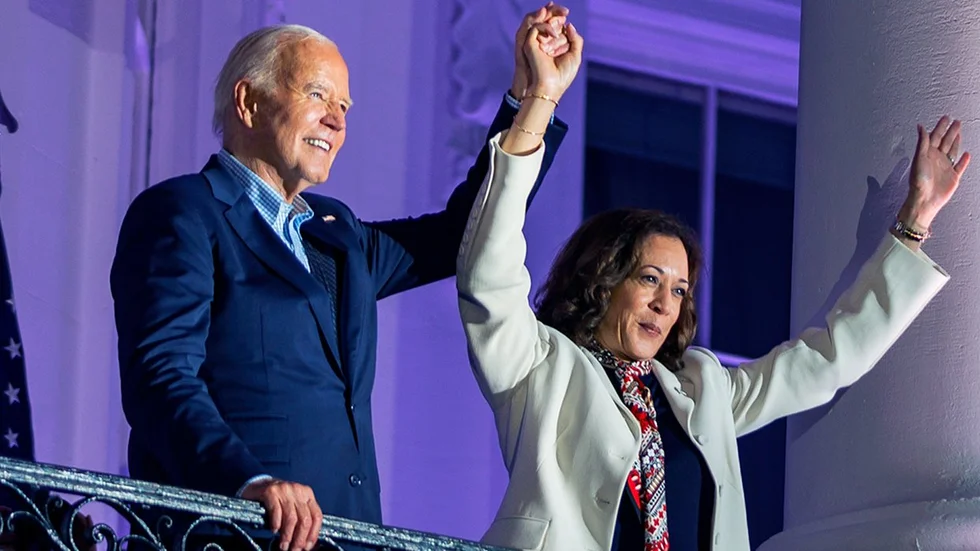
(256, 58)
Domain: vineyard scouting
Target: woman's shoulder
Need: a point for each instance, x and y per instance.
(560, 344)
(563, 352)
(700, 359)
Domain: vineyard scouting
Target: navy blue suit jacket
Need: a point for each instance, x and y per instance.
(228, 365)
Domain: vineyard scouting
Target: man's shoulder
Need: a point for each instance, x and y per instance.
(188, 192)
(186, 185)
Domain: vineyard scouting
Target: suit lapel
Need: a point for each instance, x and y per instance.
(246, 221)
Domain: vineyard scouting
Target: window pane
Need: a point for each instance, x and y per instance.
(615, 180)
(642, 150)
(753, 238)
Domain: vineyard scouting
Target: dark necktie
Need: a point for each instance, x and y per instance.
(323, 267)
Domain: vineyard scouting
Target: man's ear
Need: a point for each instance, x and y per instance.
(246, 103)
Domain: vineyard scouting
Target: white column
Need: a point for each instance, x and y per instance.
(894, 463)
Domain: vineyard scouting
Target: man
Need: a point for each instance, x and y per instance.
(246, 308)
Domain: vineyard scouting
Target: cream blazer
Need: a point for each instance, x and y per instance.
(567, 439)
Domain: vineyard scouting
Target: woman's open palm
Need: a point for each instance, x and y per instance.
(937, 166)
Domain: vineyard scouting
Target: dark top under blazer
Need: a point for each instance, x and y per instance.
(689, 486)
(226, 370)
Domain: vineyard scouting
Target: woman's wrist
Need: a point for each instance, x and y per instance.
(905, 240)
(529, 126)
(537, 109)
(536, 90)
(916, 215)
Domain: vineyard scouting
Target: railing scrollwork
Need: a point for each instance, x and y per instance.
(163, 518)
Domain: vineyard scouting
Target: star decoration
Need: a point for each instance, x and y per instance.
(13, 348)
(11, 437)
(13, 394)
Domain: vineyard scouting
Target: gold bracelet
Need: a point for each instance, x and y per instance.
(907, 231)
(541, 96)
(525, 130)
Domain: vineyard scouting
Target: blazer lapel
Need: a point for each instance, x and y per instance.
(681, 392)
(246, 221)
(631, 421)
(680, 402)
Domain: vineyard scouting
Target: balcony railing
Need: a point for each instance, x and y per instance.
(36, 512)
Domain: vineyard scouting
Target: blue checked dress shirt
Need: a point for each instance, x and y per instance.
(284, 218)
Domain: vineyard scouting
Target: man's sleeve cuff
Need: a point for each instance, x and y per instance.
(251, 481)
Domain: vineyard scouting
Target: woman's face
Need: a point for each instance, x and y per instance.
(645, 306)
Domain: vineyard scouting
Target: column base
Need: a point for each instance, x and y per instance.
(944, 525)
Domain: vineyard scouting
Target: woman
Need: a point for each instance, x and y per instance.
(615, 432)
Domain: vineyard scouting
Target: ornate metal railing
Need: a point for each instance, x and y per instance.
(163, 517)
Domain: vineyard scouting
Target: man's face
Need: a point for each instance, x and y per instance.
(302, 123)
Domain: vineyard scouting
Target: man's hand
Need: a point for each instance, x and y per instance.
(554, 42)
(292, 511)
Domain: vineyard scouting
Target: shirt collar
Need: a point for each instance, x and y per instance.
(271, 205)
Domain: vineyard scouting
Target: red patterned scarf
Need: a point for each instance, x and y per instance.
(646, 478)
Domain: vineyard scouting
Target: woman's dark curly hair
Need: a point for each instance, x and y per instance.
(600, 255)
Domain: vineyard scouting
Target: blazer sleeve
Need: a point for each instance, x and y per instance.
(411, 252)
(504, 338)
(893, 286)
(162, 287)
